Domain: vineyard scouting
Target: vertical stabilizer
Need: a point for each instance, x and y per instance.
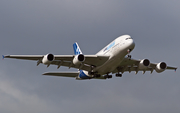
(76, 48)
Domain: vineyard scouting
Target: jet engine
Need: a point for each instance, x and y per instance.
(47, 59)
(78, 59)
(143, 64)
(160, 67)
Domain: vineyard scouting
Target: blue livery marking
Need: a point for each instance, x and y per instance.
(3, 57)
(110, 46)
(82, 75)
(77, 50)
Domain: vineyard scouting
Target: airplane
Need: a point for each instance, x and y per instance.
(113, 58)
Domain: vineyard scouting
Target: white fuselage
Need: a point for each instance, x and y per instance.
(117, 50)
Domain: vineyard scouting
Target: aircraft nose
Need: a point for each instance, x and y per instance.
(131, 44)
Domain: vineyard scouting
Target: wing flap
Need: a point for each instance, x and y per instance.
(71, 65)
(130, 69)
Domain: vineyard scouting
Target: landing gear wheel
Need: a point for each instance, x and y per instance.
(91, 73)
(108, 76)
(118, 75)
(129, 56)
(97, 76)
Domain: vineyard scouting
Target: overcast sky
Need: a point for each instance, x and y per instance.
(52, 26)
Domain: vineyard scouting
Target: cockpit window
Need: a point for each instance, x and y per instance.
(128, 38)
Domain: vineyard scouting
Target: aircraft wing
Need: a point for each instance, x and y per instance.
(65, 60)
(132, 65)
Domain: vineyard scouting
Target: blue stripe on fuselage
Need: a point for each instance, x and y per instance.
(111, 45)
(82, 75)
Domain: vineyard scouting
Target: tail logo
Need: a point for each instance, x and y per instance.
(77, 50)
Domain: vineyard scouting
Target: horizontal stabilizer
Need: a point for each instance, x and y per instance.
(68, 74)
(62, 74)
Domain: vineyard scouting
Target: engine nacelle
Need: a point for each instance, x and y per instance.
(78, 59)
(47, 59)
(143, 64)
(160, 67)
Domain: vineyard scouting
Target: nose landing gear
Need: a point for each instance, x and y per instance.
(129, 56)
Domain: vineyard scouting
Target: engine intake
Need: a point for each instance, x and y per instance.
(78, 59)
(160, 67)
(81, 58)
(47, 59)
(144, 64)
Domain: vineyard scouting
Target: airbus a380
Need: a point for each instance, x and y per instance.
(111, 59)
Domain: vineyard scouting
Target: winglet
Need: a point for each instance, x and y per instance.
(76, 48)
(175, 69)
(2, 57)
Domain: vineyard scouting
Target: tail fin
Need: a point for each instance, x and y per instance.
(76, 48)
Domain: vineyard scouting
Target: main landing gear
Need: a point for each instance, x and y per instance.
(95, 75)
(107, 76)
(118, 75)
